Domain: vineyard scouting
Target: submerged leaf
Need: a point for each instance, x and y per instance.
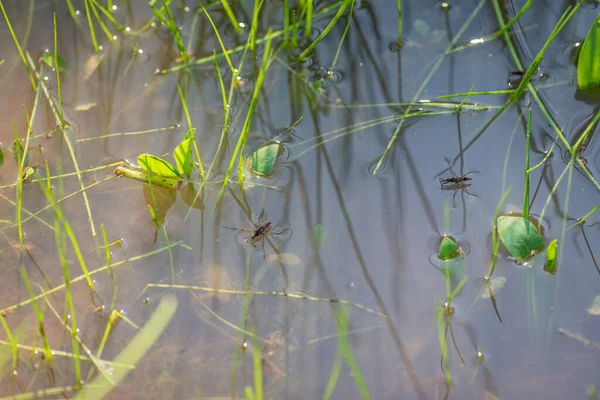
(85, 106)
(157, 166)
(495, 284)
(263, 159)
(191, 197)
(421, 27)
(588, 66)
(320, 235)
(284, 258)
(455, 268)
(520, 237)
(48, 59)
(183, 157)
(551, 253)
(92, 63)
(595, 307)
(159, 201)
(448, 249)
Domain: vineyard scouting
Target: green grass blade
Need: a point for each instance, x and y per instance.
(339, 49)
(527, 146)
(223, 49)
(91, 25)
(327, 29)
(14, 36)
(133, 353)
(239, 148)
(231, 16)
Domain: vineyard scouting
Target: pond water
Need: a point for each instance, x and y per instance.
(343, 297)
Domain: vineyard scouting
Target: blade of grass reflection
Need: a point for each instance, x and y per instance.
(69, 144)
(434, 69)
(365, 271)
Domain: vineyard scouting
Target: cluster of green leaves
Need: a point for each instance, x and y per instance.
(183, 159)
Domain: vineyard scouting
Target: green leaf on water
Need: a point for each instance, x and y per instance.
(520, 237)
(588, 66)
(48, 59)
(183, 157)
(595, 307)
(157, 166)
(448, 249)
(320, 235)
(263, 159)
(551, 253)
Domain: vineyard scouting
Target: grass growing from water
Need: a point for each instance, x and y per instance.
(279, 45)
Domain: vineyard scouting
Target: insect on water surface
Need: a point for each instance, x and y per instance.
(260, 232)
(457, 182)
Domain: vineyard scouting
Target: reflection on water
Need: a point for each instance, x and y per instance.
(333, 285)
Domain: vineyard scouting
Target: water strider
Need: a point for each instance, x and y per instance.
(260, 231)
(457, 182)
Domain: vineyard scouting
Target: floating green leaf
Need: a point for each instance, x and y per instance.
(588, 66)
(448, 249)
(48, 59)
(595, 307)
(520, 237)
(183, 157)
(551, 253)
(157, 166)
(263, 159)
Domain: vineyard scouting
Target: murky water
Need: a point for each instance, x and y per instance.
(353, 237)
